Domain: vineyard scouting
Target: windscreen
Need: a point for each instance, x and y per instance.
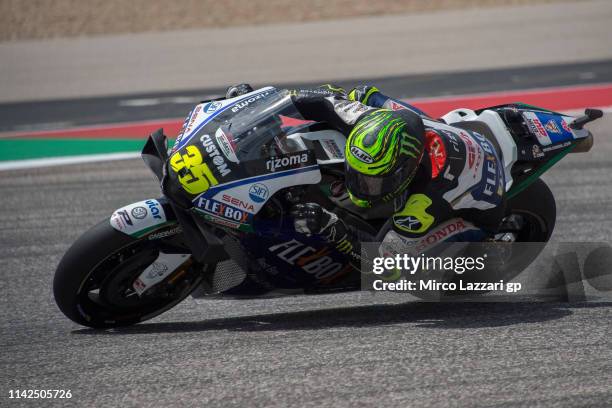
(256, 128)
(235, 140)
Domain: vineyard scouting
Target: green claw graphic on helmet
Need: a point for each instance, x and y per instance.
(382, 154)
(379, 142)
(359, 202)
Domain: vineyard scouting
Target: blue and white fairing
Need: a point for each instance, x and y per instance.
(205, 112)
(244, 145)
(552, 128)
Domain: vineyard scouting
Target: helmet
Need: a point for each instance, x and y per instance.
(383, 152)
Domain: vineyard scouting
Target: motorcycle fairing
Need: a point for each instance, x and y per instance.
(234, 204)
(138, 219)
(550, 128)
(218, 150)
(293, 261)
(205, 112)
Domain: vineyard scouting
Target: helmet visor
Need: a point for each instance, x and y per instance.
(373, 188)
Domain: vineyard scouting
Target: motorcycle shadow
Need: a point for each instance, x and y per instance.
(419, 314)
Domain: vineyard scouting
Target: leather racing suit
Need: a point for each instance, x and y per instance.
(457, 193)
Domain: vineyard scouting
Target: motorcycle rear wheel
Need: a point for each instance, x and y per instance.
(93, 281)
(530, 218)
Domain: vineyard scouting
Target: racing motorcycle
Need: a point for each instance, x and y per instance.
(222, 225)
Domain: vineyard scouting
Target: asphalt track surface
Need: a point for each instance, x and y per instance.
(353, 349)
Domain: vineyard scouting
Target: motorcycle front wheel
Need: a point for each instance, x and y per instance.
(93, 283)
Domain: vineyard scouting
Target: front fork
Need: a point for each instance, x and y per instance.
(157, 219)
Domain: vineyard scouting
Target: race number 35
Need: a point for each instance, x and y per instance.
(194, 175)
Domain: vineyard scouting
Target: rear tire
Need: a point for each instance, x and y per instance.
(537, 206)
(535, 211)
(107, 259)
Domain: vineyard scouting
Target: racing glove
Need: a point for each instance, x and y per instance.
(362, 93)
(312, 219)
(237, 90)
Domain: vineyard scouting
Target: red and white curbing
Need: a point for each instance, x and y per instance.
(571, 100)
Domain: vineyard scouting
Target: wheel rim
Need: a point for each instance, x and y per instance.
(525, 226)
(106, 293)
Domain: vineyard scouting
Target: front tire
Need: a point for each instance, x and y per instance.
(93, 280)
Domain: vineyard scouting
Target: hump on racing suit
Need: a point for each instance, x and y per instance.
(458, 191)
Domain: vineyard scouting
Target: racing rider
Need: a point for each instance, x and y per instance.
(445, 183)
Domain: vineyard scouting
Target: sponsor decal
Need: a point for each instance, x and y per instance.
(361, 155)
(282, 162)
(490, 175)
(226, 144)
(471, 149)
(323, 91)
(437, 152)
(213, 153)
(551, 126)
(136, 218)
(414, 217)
(557, 146)
(479, 184)
(194, 175)
(156, 270)
(259, 192)
(348, 111)
(166, 233)
(332, 148)
(395, 243)
(565, 126)
(189, 119)
(222, 221)
(153, 207)
(353, 107)
(244, 103)
(159, 270)
(222, 210)
(139, 212)
(212, 106)
(441, 233)
(453, 140)
(537, 129)
(237, 202)
(315, 263)
(396, 106)
(121, 220)
(490, 167)
(194, 115)
(409, 223)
